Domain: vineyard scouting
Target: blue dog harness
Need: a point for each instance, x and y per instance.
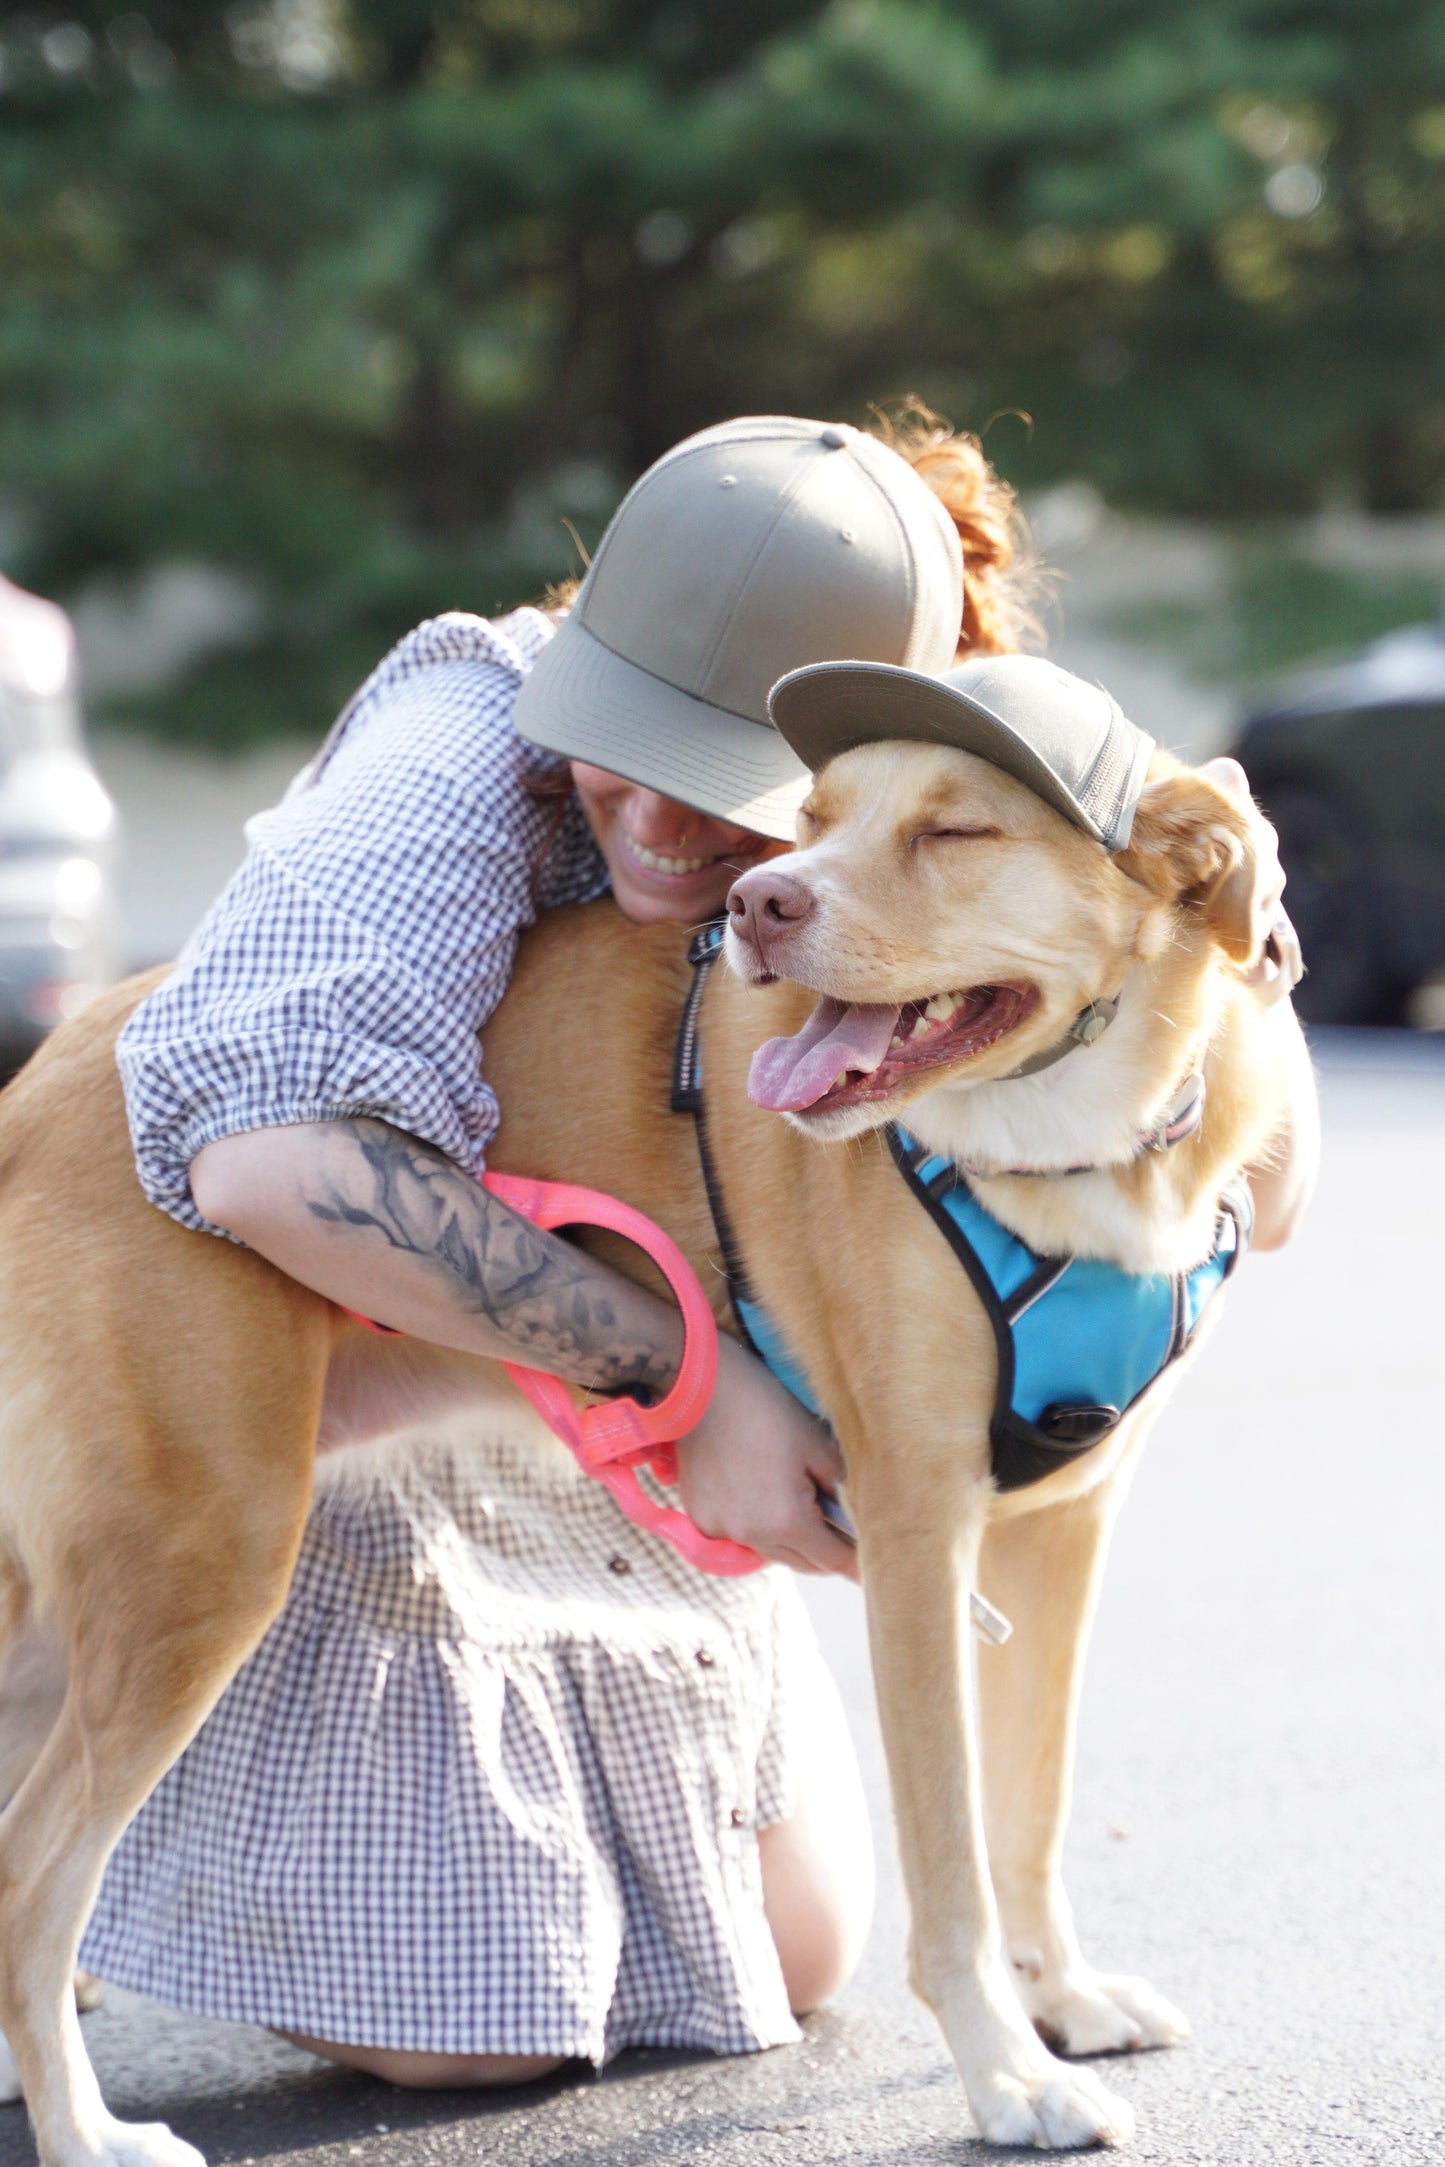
(1079, 1340)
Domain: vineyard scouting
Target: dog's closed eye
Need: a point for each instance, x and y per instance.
(953, 835)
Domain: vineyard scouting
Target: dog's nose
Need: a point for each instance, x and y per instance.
(766, 904)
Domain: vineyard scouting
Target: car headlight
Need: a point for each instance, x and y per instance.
(39, 887)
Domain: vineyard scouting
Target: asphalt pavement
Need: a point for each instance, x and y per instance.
(1261, 1780)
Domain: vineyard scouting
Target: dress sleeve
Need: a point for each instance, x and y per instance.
(351, 962)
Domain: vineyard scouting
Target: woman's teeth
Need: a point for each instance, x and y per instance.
(938, 1010)
(657, 863)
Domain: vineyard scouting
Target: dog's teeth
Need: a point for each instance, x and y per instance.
(938, 1008)
(896, 1040)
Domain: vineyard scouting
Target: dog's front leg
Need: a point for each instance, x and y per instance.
(1043, 1571)
(920, 1525)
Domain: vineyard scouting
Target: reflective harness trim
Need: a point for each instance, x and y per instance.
(1079, 1341)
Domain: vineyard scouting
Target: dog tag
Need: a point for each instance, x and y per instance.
(989, 1624)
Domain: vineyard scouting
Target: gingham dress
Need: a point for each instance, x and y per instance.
(493, 1780)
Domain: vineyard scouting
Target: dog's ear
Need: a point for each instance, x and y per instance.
(1199, 841)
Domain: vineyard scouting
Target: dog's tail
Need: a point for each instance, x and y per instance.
(1003, 580)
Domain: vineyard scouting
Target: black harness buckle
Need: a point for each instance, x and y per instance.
(1077, 1426)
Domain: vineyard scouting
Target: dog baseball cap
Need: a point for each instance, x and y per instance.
(746, 551)
(1067, 740)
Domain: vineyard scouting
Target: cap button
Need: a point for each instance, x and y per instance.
(835, 436)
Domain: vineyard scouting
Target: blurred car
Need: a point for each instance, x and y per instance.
(57, 833)
(1349, 762)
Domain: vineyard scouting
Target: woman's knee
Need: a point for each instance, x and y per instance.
(432, 2072)
(817, 1866)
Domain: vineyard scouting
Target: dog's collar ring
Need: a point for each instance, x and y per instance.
(1087, 1028)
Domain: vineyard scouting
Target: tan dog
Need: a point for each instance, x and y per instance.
(164, 1391)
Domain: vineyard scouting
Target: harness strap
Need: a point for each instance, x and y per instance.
(1023, 1451)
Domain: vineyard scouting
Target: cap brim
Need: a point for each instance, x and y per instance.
(586, 702)
(831, 707)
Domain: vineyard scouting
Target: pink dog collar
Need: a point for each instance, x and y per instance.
(611, 1440)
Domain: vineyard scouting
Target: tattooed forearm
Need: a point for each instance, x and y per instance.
(558, 1308)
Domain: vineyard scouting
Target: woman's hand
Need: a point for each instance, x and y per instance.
(1283, 1185)
(752, 1469)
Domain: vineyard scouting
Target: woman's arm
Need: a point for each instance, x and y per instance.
(389, 1227)
(1284, 1184)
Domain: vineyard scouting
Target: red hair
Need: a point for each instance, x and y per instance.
(1000, 571)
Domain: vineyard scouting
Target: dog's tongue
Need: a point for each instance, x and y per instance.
(788, 1074)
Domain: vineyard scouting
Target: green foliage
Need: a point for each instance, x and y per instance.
(359, 297)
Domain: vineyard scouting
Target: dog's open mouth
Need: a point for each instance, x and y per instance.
(851, 1054)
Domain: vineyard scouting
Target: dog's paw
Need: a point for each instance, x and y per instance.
(1088, 2012)
(10, 2088)
(1055, 2109)
(141, 2144)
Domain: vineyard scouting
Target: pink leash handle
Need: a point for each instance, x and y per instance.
(612, 1439)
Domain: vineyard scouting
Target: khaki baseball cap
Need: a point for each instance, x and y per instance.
(745, 552)
(1068, 740)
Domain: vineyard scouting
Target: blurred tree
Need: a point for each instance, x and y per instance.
(359, 297)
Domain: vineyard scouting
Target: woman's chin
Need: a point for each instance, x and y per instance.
(684, 900)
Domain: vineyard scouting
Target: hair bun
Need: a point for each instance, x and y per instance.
(1000, 570)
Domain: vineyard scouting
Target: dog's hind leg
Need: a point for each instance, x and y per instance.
(1043, 1570)
(159, 1603)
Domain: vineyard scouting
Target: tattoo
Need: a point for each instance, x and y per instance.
(552, 1301)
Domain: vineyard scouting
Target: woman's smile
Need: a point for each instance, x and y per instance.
(656, 861)
(666, 860)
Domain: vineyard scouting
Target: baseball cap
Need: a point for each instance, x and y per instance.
(1066, 739)
(745, 551)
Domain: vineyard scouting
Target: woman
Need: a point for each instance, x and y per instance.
(508, 1782)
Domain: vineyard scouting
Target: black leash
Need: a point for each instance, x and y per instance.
(687, 1098)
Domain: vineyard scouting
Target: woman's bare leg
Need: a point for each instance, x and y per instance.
(818, 1872)
(432, 2072)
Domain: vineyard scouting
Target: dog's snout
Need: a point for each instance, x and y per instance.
(766, 904)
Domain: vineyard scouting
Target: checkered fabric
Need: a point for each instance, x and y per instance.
(491, 1784)
(369, 934)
